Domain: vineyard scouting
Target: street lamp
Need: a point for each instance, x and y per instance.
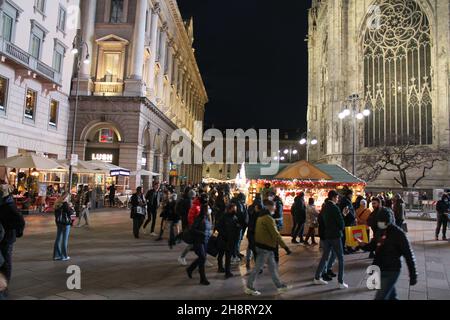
(288, 151)
(356, 114)
(306, 141)
(77, 49)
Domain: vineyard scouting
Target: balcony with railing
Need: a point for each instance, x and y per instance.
(108, 88)
(24, 59)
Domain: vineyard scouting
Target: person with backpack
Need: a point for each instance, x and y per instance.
(298, 211)
(13, 224)
(442, 208)
(229, 229)
(201, 230)
(138, 207)
(63, 220)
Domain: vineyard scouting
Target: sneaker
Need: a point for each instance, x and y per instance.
(252, 292)
(284, 289)
(182, 261)
(57, 259)
(153, 234)
(66, 259)
(343, 286)
(319, 282)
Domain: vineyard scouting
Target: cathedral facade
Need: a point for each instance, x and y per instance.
(390, 57)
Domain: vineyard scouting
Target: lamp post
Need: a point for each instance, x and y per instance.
(308, 142)
(356, 114)
(77, 50)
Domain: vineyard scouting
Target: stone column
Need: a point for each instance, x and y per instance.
(153, 48)
(169, 74)
(162, 61)
(134, 84)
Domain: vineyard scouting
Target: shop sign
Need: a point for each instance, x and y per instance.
(104, 157)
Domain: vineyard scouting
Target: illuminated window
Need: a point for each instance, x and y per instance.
(112, 66)
(54, 106)
(106, 136)
(116, 11)
(3, 93)
(30, 104)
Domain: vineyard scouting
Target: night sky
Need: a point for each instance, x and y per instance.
(253, 59)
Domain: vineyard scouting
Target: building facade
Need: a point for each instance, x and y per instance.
(141, 84)
(35, 76)
(393, 55)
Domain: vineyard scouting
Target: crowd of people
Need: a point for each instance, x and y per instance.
(211, 220)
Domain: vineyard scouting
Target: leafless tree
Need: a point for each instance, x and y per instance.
(401, 161)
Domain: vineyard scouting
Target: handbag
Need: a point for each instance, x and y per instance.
(188, 236)
(213, 248)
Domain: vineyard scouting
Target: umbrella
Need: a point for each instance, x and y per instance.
(145, 173)
(29, 161)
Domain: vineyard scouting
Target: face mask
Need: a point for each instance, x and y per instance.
(270, 198)
(382, 225)
(209, 211)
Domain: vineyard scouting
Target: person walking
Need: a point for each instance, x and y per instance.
(349, 215)
(13, 224)
(201, 228)
(399, 208)
(112, 195)
(77, 202)
(85, 203)
(229, 229)
(253, 213)
(442, 208)
(63, 220)
(298, 211)
(328, 273)
(153, 198)
(311, 222)
(334, 232)
(173, 219)
(390, 245)
(138, 206)
(267, 240)
(194, 211)
(164, 212)
(242, 215)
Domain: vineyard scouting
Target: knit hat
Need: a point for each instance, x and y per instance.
(386, 216)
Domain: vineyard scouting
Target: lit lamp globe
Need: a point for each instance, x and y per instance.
(294, 152)
(366, 113)
(346, 112)
(314, 142)
(74, 51)
(341, 116)
(360, 116)
(286, 151)
(303, 141)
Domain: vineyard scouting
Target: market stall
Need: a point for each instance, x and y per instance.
(289, 180)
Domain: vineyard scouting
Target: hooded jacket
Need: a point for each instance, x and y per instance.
(298, 210)
(194, 211)
(229, 231)
(333, 222)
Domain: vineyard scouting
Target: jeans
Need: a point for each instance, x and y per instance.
(227, 254)
(331, 259)
(137, 224)
(251, 249)
(151, 218)
(297, 230)
(61, 242)
(200, 251)
(388, 281)
(186, 251)
(262, 257)
(84, 214)
(442, 221)
(173, 228)
(331, 245)
(311, 234)
(237, 249)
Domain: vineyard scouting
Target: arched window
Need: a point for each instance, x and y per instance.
(397, 75)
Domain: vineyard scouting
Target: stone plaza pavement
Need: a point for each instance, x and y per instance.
(114, 265)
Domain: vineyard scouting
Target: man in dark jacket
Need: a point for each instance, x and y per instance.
(137, 211)
(334, 231)
(298, 212)
(184, 205)
(242, 215)
(349, 215)
(442, 208)
(328, 273)
(391, 244)
(13, 224)
(229, 229)
(278, 216)
(253, 212)
(153, 198)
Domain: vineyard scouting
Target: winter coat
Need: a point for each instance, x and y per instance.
(298, 210)
(137, 201)
(169, 212)
(333, 221)
(442, 207)
(278, 216)
(194, 211)
(267, 236)
(389, 247)
(242, 212)
(362, 215)
(65, 211)
(229, 231)
(182, 208)
(12, 221)
(153, 198)
(202, 229)
(399, 211)
(311, 217)
(350, 218)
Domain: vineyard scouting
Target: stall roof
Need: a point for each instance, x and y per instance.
(336, 172)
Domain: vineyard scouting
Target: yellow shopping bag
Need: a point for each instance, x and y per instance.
(353, 233)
